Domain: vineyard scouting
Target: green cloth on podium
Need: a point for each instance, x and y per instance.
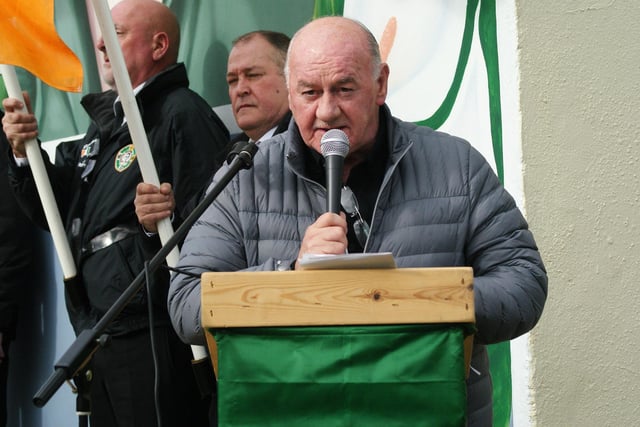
(390, 375)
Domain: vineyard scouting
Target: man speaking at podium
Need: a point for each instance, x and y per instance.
(429, 198)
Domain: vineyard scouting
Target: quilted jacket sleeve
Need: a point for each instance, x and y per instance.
(510, 279)
(211, 245)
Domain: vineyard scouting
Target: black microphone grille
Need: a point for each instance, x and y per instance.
(334, 143)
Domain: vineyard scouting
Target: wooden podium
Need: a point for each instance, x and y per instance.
(340, 347)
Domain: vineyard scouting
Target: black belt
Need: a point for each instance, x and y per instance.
(108, 238)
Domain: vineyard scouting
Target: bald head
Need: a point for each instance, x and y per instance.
(161, 19)
(149, 35)
(332, 30)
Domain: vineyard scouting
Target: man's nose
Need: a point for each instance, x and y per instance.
(243, 86)
(328, 109)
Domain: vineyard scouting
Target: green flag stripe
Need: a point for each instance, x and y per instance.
(499, 354)
(3, 91)
(487, 28)
(443, 112)
(328, 8)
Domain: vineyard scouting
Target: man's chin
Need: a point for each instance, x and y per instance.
(107, 74)
(245, 121)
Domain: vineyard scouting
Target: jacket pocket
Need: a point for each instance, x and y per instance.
(107, 273)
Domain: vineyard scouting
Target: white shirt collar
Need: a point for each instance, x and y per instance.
(266, 136)
(136, 90)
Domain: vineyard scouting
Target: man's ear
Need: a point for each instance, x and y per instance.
(160, 45)
(382, 82)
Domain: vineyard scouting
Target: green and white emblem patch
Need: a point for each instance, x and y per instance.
(125, 158)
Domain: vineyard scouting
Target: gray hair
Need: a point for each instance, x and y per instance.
(279, 41)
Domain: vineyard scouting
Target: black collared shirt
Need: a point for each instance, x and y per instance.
(364, 180)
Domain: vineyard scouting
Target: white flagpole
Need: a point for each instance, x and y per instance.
(136, 129)
(43, 184)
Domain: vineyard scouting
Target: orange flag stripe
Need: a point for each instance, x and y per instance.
(28, 39)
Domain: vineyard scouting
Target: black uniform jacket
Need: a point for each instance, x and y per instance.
(94, 181)
(16, 251)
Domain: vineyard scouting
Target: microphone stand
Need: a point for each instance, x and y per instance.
(90, 340)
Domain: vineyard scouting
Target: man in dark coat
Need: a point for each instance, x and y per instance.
(94, 182)
(16, 251)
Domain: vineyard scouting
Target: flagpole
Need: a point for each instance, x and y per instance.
(41, 179)
(136, 129)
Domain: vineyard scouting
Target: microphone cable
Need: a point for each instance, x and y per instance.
(152, 330)
(180, 271)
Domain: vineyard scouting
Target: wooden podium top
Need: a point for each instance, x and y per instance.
(338, 297)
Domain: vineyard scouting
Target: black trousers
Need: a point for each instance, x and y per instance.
(4, 376)
(122, 388)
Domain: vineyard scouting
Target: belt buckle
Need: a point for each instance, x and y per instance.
(108, 238)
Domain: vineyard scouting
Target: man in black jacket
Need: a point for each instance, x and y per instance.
(94, 182)
(16, 251)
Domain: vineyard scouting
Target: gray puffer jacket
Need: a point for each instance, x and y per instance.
(440, 204)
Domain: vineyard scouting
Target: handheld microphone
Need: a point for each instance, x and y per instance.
(334, 146)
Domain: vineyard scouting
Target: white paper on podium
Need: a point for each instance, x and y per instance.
(347, 261)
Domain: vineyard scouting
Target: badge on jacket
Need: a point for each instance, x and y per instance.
(125, 158)
(88, 156)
